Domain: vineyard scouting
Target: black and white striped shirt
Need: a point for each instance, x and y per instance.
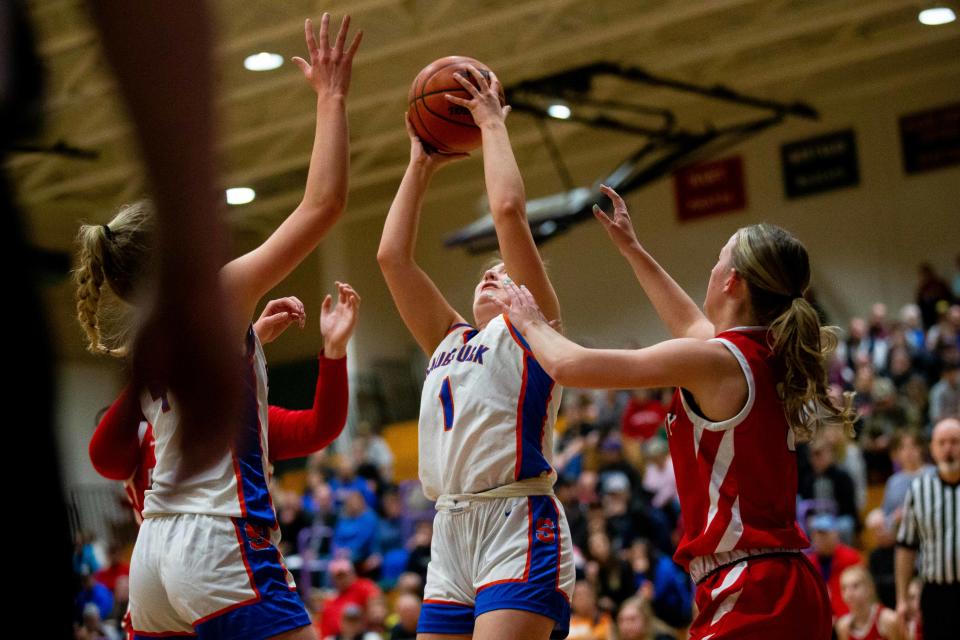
(931, 523)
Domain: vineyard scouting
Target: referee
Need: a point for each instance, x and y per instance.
(931, 523)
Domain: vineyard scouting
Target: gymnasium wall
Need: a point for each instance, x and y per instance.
(865, 242)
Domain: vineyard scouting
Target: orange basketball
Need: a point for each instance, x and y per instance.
(441, 125)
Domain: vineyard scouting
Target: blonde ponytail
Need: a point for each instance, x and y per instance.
(776, 268)
(804, 347)
(116, 255)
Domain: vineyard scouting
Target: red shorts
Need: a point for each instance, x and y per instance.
(775, 596)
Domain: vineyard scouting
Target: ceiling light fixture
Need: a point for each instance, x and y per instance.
(240, 195)
(263, 61)
(936, 16)
(559, 111)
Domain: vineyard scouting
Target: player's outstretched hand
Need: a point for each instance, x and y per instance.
(338, 322)
(329, 68)
(420, 155)
(484, 103)
(277, 316)
(618, 226)
(520, 306)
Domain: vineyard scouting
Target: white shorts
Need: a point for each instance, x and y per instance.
(203, 576)
(502, 553)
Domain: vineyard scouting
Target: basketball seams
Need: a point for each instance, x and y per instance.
(434, 141)
(418, 99)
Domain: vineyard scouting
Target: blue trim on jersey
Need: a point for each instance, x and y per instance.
(247, 448)
(445, 618)
(446, 400)
(455, 326)
(278, 609)
(536, 402)
(153, 636)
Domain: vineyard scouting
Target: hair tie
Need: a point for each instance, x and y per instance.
(107, 232)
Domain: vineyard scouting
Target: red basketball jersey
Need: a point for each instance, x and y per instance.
(737, 479)
(872, 632)
(140, 481)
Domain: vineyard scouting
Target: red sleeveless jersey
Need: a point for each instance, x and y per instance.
(872, 631)
(737, 479)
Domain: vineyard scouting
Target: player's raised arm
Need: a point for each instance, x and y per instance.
(251, 276)
(423, 308)
(705, 368)
(676, 309)
(505, 191)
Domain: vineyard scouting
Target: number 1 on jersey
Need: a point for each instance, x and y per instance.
(446, 401)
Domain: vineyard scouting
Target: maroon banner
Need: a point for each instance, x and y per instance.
(931, 139)
(710, 188)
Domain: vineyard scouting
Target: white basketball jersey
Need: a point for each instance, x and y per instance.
(487, 412)
(234, 486)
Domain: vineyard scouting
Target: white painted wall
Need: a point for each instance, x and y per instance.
(82, 390)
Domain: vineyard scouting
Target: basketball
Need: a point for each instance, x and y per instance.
(441, 125)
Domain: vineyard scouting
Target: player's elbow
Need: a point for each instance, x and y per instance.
(393, 259)
(326, 208)
(508, 208)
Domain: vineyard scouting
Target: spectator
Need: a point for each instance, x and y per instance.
(867, 618)
(346, 481)
(913, 328)
(116, 568)
(611, 577)
(394, 555)
(659, 479)
(410, 582)
(371, 450)
(945, 395)
(408, 612)
(635, 621)
(613, 462)
(643, 415)
(663, 584)
(376, 616)
(931, 520)
(626, 519)
(884, 418)
(84, 556)
(914, 624)
(880, 560)
(353, 625)
(93, 627)
(955, 286)
(945, 334)
(827, 482)
(587, 622)
(349, 589)
(92, 592)
(574, 510)
(610, 408)
(420, 549)
(355, 534)
(849, 458)
(907, 449)
(831, 557)
(931, 291)
(292, 521)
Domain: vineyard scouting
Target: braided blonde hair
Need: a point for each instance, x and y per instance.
(776, 268)
(117, 254)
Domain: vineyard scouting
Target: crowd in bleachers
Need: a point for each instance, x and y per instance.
(359, 543)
